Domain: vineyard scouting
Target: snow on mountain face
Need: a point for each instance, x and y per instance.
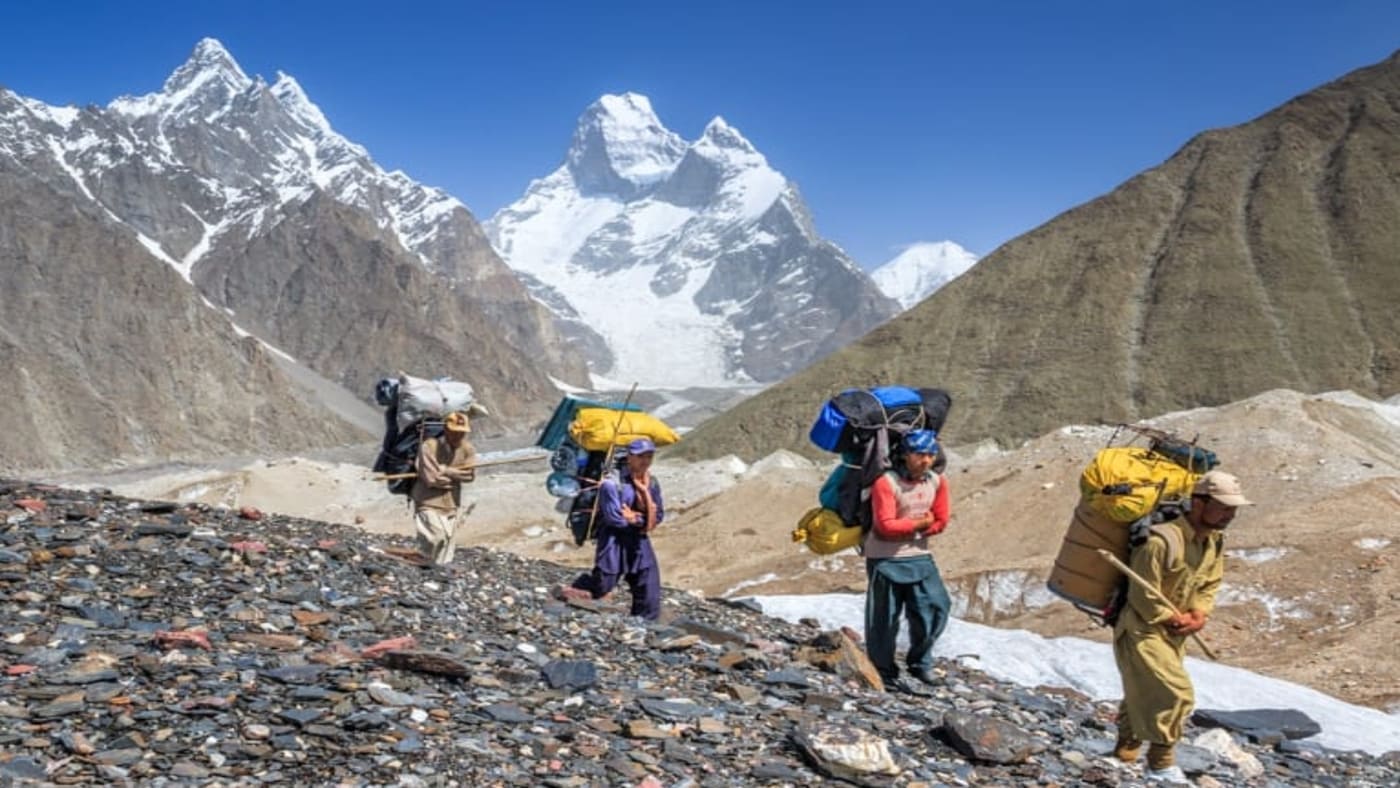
(238, 148)
(921, 269)
(216, 162)
(695, 262)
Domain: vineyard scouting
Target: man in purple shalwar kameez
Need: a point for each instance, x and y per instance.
(629, 509)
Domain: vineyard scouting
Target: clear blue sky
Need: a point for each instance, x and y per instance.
(900, 121)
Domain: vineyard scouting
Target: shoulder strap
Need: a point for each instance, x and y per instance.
(1176, 548)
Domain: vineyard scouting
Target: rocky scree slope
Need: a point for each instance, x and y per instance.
(151, 642)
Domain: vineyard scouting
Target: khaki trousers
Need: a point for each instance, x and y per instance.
(437, 534)
(1157, 692)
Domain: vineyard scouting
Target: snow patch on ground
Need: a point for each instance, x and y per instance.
(1277, 609)
(1031, 660)
(1372, 543)
(1258, 555)
(758, 581)
(1003, 592)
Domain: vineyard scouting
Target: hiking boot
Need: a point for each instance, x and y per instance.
(1171, 775)
(926, 676)
(1126, 749)
(1161, 756)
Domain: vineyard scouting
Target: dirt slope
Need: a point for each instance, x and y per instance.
(1312, 590)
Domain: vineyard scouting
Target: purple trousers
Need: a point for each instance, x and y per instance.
(625, 553)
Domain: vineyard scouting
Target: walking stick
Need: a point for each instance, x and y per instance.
(607, 458)
(385, 477)
(1151, 589)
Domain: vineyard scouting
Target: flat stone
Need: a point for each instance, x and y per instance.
(84, 675)
(23, 768)
(436, 663)
(59, 708)
(384, 695)
(1195, 760)
(124, 757)
(646, 729)
(189, 770)
(13, 712)
(269, 640)
(311, 692)
(709, 632)
(986, 739)
(787, 677)
(295, 674)
(673, 711)
(508, 712)
(712, 725)
(743, 693)
(101, 693)
(570, 674)
(301, 716)
(777, 771)
(678, 643)
(1291, 723)
(76, 743)
(365, 721)
(845, 752)
(163, 529)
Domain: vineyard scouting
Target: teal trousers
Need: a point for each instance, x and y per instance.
(910, 587)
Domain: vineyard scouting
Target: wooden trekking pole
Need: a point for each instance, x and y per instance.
(608, 458)
(386, 477)
(1154, 591)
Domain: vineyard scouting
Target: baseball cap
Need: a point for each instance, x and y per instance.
(641, 446)
(1223, 487)
(457, 422)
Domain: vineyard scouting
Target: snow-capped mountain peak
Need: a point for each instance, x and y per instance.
(208, 79)
(920, 269)
(621, 147)
(290, 95)
(705, 236)
(722, 135)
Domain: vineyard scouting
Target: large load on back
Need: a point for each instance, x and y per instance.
(583, 435)
(1124, 492)
(413, 410)
(864, 426)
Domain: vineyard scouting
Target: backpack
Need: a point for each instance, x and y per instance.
(581, 433)
(1126, 494)
(865, 427)
(413, 410)
(399, 450)
(417, 399)
(582, 519)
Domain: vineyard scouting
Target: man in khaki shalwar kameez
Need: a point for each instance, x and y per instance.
(437, 492)
(1184, 559)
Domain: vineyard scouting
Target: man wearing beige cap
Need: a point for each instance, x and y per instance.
(1183, 558)
(437, 492)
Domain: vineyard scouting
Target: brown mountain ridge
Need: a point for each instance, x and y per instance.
(1260, 256)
